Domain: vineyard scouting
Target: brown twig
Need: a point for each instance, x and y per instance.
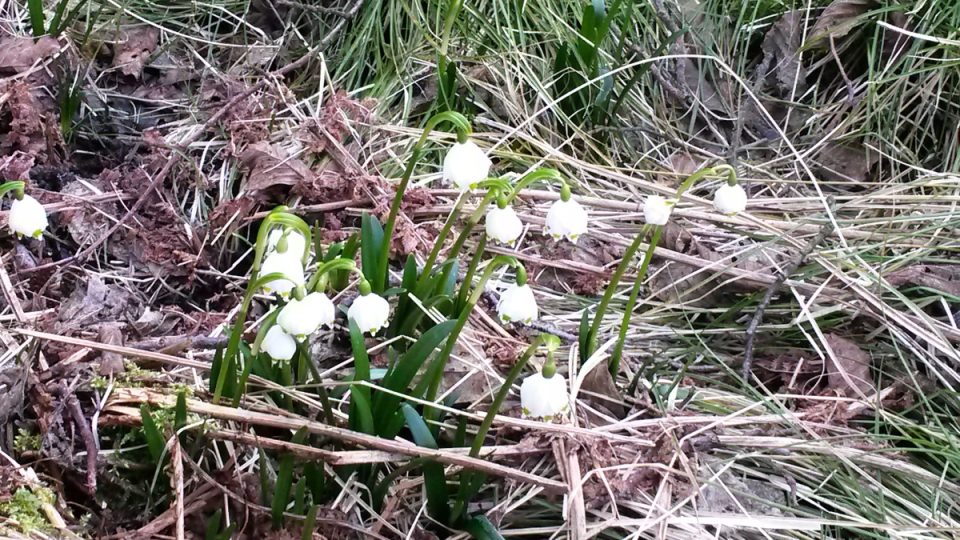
(80, 421)
(168, 344)
(774, 287)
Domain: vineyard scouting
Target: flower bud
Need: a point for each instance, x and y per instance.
(566, 219)
(503, 225)
(544, 397)
(465, 165)
(370, 311)
(27, 217)
(293, 242)
(287, 264)
(517, 303)
(730, 200)
(656, 210)
(278, 344)
(300, 318)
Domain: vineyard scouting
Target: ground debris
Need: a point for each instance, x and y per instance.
(848, 369)
(133, 49)
(941, 277)
(269, 165)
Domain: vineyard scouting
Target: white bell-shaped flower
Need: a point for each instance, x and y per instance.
(27, 217)
(503, 225)
(544, 397)
(566, 219)
(296, 243)
(300, 318)
(466, 164)
(370, 311)
(730, 199)
(656, 210)
(278, 344)
(517, 303)
(289, 264)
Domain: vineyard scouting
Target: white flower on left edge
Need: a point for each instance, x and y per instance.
(566, 219)
(465, 164)
(278, 344)
(730, 199)
(300, 318)
(543, 397)
(370, 311)
(288, 264)
(503, 225)
(27, 217)
(517, 303)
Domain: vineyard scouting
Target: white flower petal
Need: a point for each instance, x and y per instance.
(287, 264)
(301, 318)
(566, 219)
(371, 312)
(656, 210)
(296, 243)
(541, 397)
(278, 344)
(465, 164)
(503, 225)
(517, 303)
(27, 217)
(730, 199)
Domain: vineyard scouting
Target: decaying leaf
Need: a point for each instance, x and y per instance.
(942, 277)
(781, 67)
(134, 49)
(18, 54)
(600, 389)
(111, 362)
(270, 165)
(838, 19)
(95, 302)
(846, 162)
(848, 369)
(16, 166)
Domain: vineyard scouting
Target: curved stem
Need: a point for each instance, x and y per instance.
(16, 186)
(435, 372)
(441, 238)
(233, 345)
(462, 125)
(279, 216)
(472, 222)
(614, 364)
(448, 22)
(534, 176)
(331, 266)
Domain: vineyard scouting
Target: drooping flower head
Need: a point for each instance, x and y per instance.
(544, 397)
(517, 304)
(279, 344)
(465, 164)
(503, 225)
(370, 311)
(300, 318)
(729, 199)
(566, 219)
(656, 210)
(27, 217)
(289, 264)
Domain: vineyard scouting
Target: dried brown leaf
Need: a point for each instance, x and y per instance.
(848, 162)
(942, 277)
(838, 19)
(600, 389)
(18, 54)
(95, 302)
(134, 49)
(270, 165)
(111, 362)
(781, 59)
(848, 369)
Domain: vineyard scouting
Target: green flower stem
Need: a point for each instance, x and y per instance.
(471, 271)
(233, 345)
(472, 222)
(468, 477)
(462, 126)
(608, 295)
(448, 22)
(614, 364)
(536, 176)
(318, 280)
(268, 322)
(15, 186)
(435, 372)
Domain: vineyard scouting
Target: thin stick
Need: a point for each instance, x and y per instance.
(86, 434)
(772, 290)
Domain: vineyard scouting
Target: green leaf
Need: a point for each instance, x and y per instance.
(37, 20)
(213, 525)
(481, 529)
(379, 491)
(299, 497)
(309, 523)
(371, 243)
(316, 482)
(583, 336)
(361, 415)
(434, 480)
(403, 373)
(180, 410)
(281, 492)
(155, 440)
